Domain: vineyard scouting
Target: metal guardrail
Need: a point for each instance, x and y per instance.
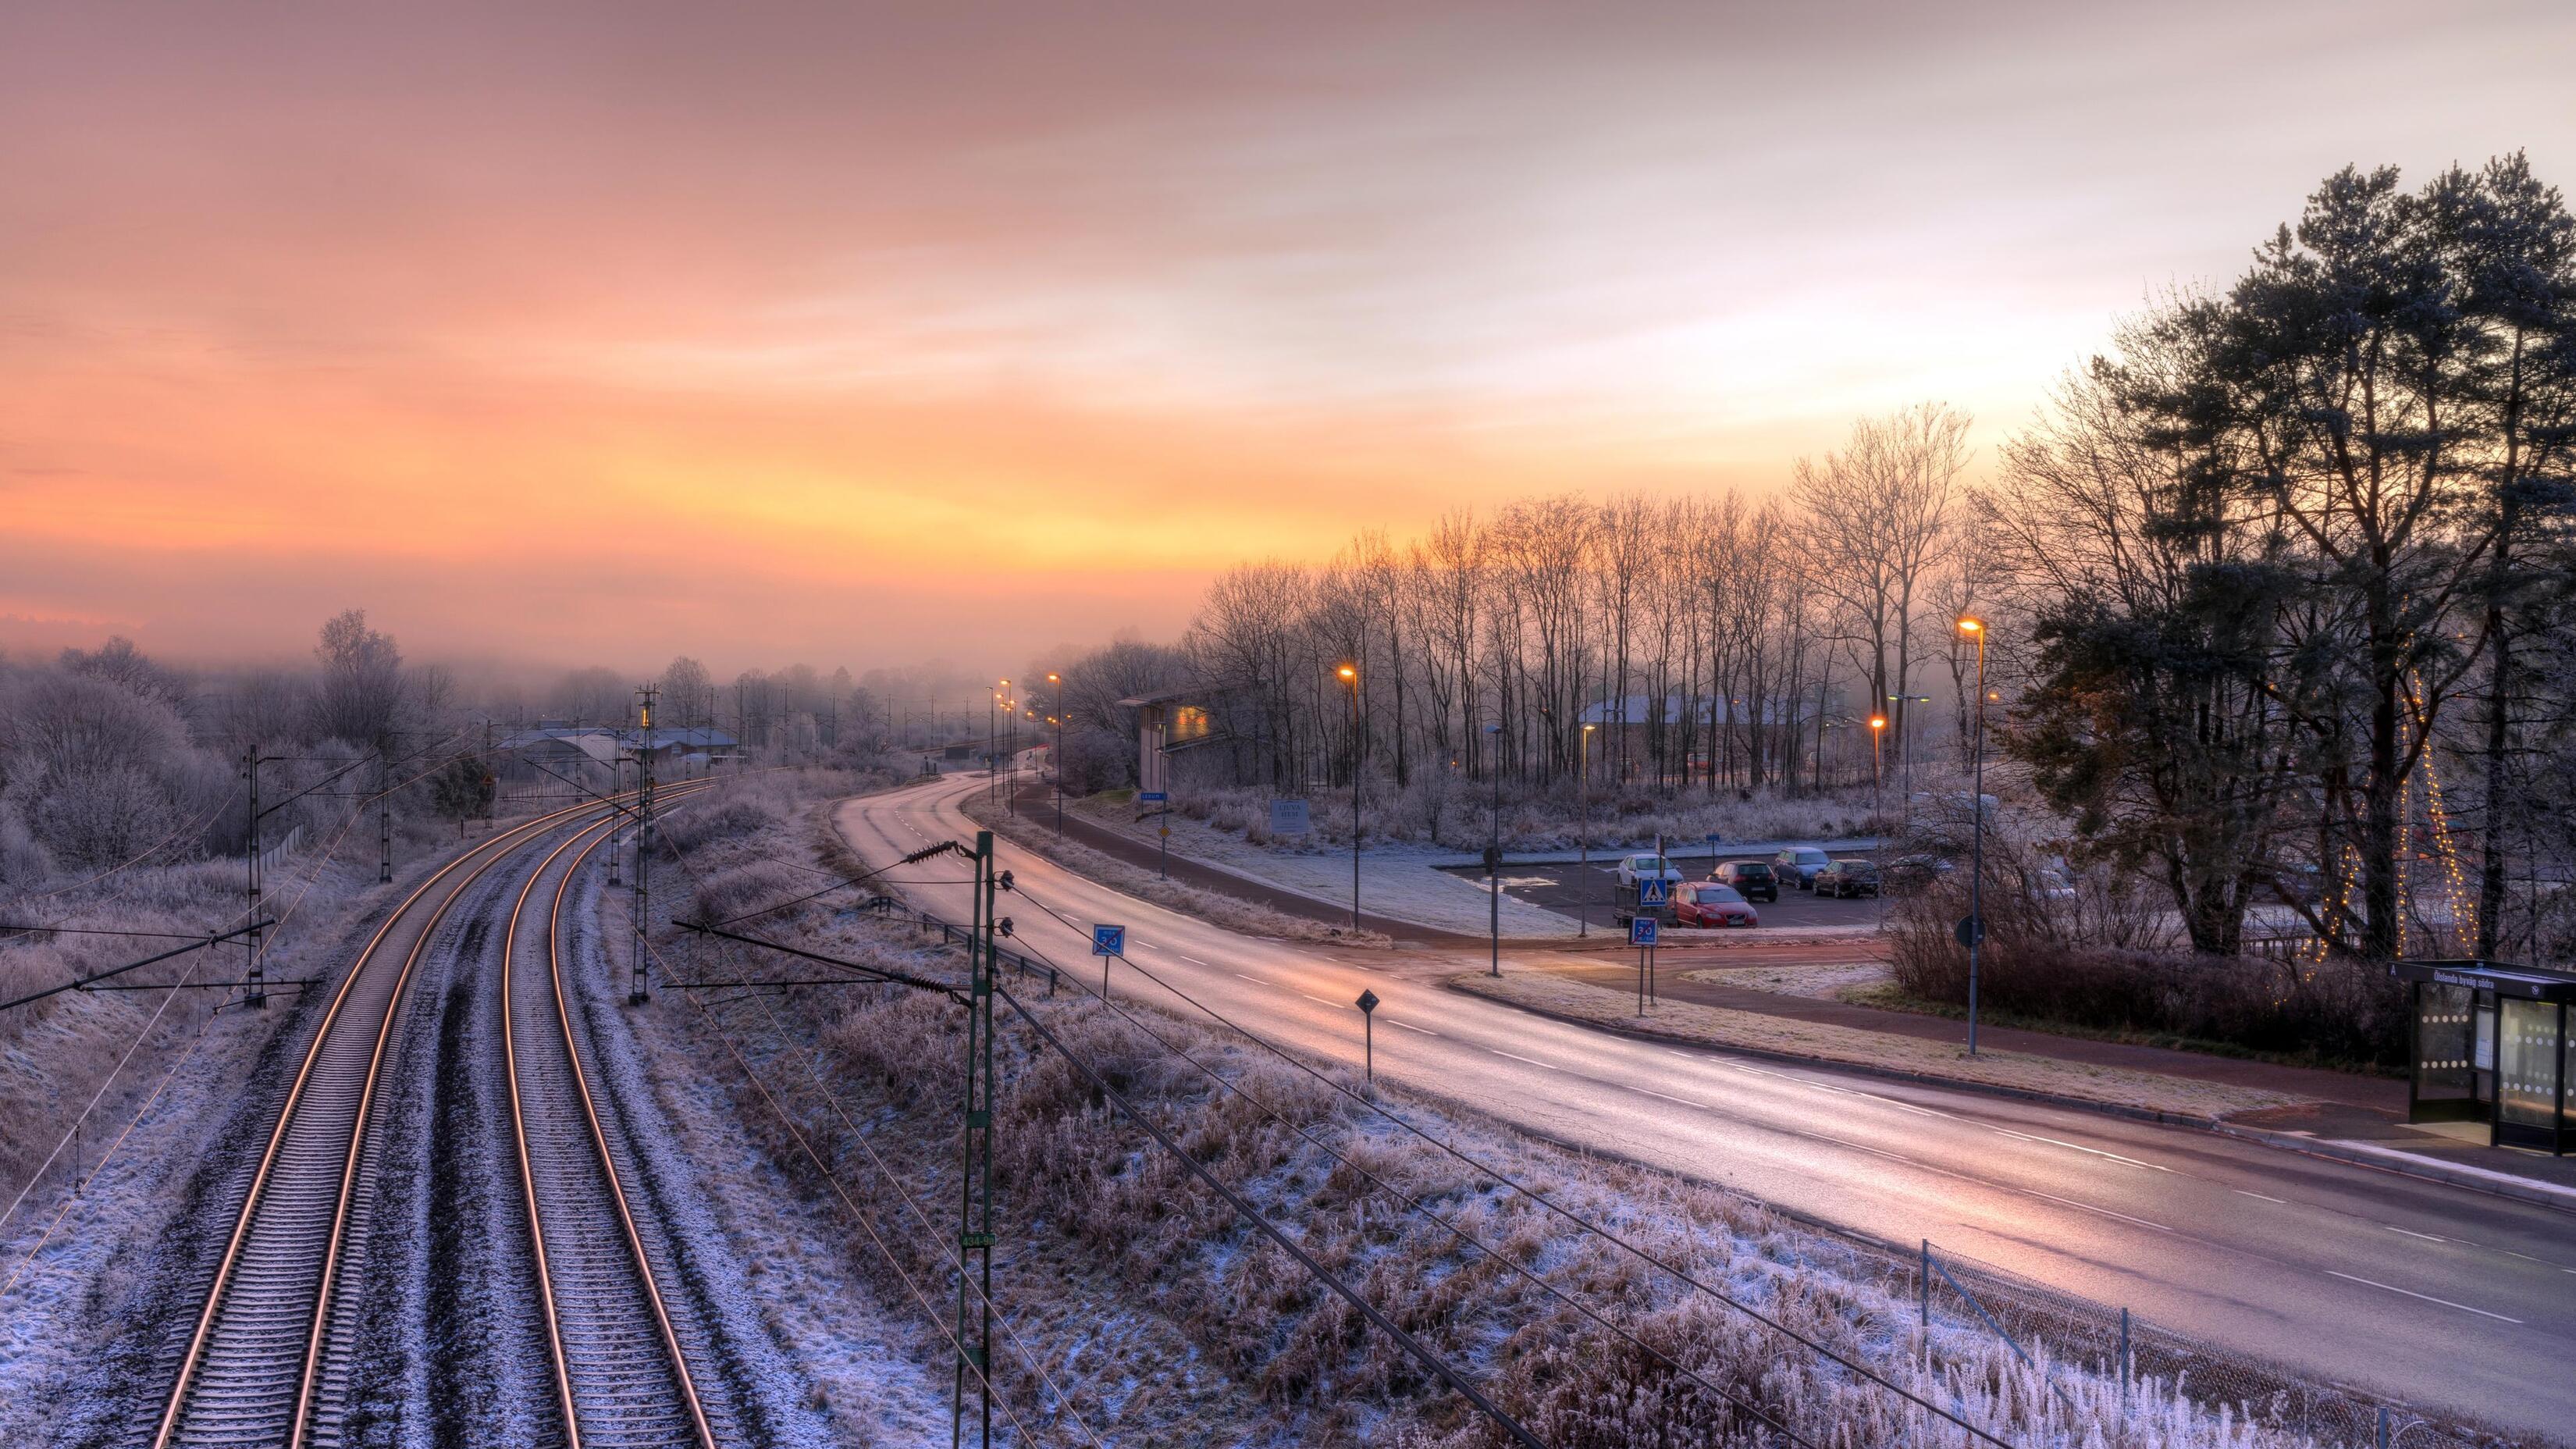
(2051, 1330)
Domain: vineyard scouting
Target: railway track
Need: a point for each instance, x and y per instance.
(621, 1368)
(256, 1361)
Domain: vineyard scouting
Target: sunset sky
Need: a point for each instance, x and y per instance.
(861, 334)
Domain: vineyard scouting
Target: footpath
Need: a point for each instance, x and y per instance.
(2342, 1115)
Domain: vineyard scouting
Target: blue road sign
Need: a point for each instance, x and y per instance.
(1653, 892)
(1109, 940)
(1152, 797)
(1641, 931)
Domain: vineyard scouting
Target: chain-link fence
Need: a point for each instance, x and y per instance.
(2054, 1332)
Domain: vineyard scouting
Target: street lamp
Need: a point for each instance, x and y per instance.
(993, 739)
(1583, 833)
(1494, 852)
(1877, 733)
(1351, 676)
(1975, 628)
(1057, 719)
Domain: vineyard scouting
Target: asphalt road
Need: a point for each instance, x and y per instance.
(2444, 1297)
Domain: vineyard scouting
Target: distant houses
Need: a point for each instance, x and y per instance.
(553, 744)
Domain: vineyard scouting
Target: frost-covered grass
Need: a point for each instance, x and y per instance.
(1135, 1301)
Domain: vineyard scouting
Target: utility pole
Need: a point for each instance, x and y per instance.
(975, 1201)
(255, 986)
(491, 792)
(639, 989)
(384, 819)
(1058, 681)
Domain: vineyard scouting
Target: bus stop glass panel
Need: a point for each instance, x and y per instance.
(2527, 1054)
(2444, 1078)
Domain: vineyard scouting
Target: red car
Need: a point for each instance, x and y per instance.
(1710, 904)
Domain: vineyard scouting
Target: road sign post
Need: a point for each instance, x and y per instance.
(1107, 943)
(1642, 931)
(1368, 1030)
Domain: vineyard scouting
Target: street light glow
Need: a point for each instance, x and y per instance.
(1878, 721)
(1971, 624)
(1348, 672)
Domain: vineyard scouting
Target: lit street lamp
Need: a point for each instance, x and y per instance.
(1351, 676)
(1583, 834)
(1057, 719)
(1975, 928)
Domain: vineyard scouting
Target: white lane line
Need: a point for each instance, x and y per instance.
(1255, 980)
(1515, 1057)
(1193, 960)
(1148, 945)
(2267, 1197)
(1409, 1026)
(2410, 1232)
(1667, 1096)
(2075, 1147)
(1319, 1001)
(2427, 1297)
(2090, 1208)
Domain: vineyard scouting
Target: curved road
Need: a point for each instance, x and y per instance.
(2439, 1296)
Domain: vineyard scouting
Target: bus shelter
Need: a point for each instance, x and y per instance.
(2489, 1043)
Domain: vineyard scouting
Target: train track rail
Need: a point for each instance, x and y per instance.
(253, 1363)
(621, 1366)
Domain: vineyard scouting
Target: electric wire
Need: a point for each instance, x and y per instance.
(1417, 1205)
(1640, 1254)
(866, 1224)
(1010, 1329)
(1252, 1215)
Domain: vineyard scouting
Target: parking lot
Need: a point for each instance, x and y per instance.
(1572, 890)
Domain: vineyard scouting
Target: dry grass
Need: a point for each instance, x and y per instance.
(1821, 1041)
(1135, 1300)
(1820, 981)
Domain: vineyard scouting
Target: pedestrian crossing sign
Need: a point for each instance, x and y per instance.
(1653, 892)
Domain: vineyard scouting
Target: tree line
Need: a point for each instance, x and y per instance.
(2277, 591)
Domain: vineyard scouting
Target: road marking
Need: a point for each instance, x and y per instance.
(1255, 980)
(2267, 1197)
(2072, 1146)
(2090, 1208)
(1408, 1026)
(1319, 1001)
(2427, 1297)
(1651, 1092)
(1533, 1062)
(1193, 960)
(2410, 1232)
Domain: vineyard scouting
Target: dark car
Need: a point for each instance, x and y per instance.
(1798, 865)
(1913, 872)
(1752, 879)
(1847, 878)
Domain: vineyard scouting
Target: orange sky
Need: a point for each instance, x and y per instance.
(864, 335)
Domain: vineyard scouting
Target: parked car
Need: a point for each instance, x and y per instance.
(1798, 865)
(1710, 904)
(1913, 872)
(1752, 879)
(1847, 878)
(1635, 868)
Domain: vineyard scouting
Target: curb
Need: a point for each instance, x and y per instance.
(2383, 1159)
(2407, 1164)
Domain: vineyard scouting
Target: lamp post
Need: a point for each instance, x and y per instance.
(1351, 677)
(1494, 852)
(1057, 719)
(993, 742)
(1877, 733)
(1975, 628)
(1583, 833)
